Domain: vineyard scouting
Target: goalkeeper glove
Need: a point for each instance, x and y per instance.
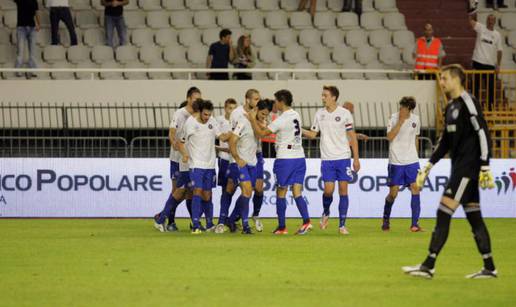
(422, 174)
(485, 178)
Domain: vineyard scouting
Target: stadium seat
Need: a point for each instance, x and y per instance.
(228, 19)
(335, 5)
(142, 37)
(189, 37)
(318, 55)
(352, 75)
(77, 54)
(244, 5)
(78, 5)
(267, 5)
(276, 20)
(181, 19)
(173, 5)
(197, 5)
(209, 36)
(375, 75)
(347, 21)
(385, 5)
(408, 56)
(259, 75)
(6, 5)
(511, 39)
(102, 54)
(508, 21)
(10, 19)
(394, 21)
(62, 75)
(111, 75)
(310, 37)
(261, 37)
(205, 19)
(85, 75)
(294, 54)
(175, 55)
(356, 38)
(197, 54)
(237, 32)
(390, 55)
(150, 53)
(325, 20)
(371, 21)
(54, 53)
(403, 38)
(279, 76)
(251, 19)
(343, 54)
(166, 37)
(305, 75)
(94, 37)
(150, 5)
(43, 37)
(135, 75)
(220, 5)
(289, 5)
(158, 19)
(300, 20)
(159, 75)
(366, 54)
(126, 54)
(4, 37)
(180, 75)
(333, 37)
(269, 54)
(134, 19)
(328, 75)
(285, 37)
(379, 38)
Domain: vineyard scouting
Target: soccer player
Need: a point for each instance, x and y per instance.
(402, 132)
(180, 179)
(197, 147)
(242, 145)
(224, 157)
(290, 165)
(338, 142)
(466, 139)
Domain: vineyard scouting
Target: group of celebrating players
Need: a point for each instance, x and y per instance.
(194, 132)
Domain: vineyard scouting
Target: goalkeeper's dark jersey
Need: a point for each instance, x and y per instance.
(465, 136)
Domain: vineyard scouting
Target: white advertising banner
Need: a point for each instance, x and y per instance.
(139, 187)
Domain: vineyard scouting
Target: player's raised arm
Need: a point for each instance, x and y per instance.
(394, 126)
(259, 131)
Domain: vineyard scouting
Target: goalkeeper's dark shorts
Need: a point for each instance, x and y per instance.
(463, 190)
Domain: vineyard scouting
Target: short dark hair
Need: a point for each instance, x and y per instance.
(334, 91)
(408, 102)
(192, 91)
(224, 32)
(456, 70)
(284, 96)
(183, 104)
(265, 104)
(229, 101)
(204, 105)
(249, 93)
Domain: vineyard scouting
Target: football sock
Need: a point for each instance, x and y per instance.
(479, 229)
(281, 209)
(415, 205)
(303, 209)
(343, 209)
(439, 235)
(326, 201)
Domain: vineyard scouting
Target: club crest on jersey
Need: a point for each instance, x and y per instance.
(413, 125)
(210, 126)
(337, 119)
(455, 113)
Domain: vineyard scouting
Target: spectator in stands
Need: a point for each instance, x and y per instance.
(348, 105)
(60, 11)
(245, 57)
(486, 56)
(220, 54)
(114, 19)
(499, 4)
(348, 5)
(302, 6)
(26, 27)
(429, 53)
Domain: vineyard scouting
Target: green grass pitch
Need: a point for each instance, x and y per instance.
(128, 263)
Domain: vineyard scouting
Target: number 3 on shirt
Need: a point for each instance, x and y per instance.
(297, 132)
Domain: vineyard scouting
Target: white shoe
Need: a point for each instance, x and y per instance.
(211, 229)
(419, 271)
(343, 230)
(483, 274)
(160, 227)
(258, 224)
(220, 228)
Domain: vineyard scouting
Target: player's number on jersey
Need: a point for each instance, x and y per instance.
(297, 132)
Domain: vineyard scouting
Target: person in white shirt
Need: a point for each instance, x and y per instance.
(224, 157)
(197, 147)
(402, 132)
(338, 142)
(487, 56)
(60, 11)
(180, 178)
(290, 165)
